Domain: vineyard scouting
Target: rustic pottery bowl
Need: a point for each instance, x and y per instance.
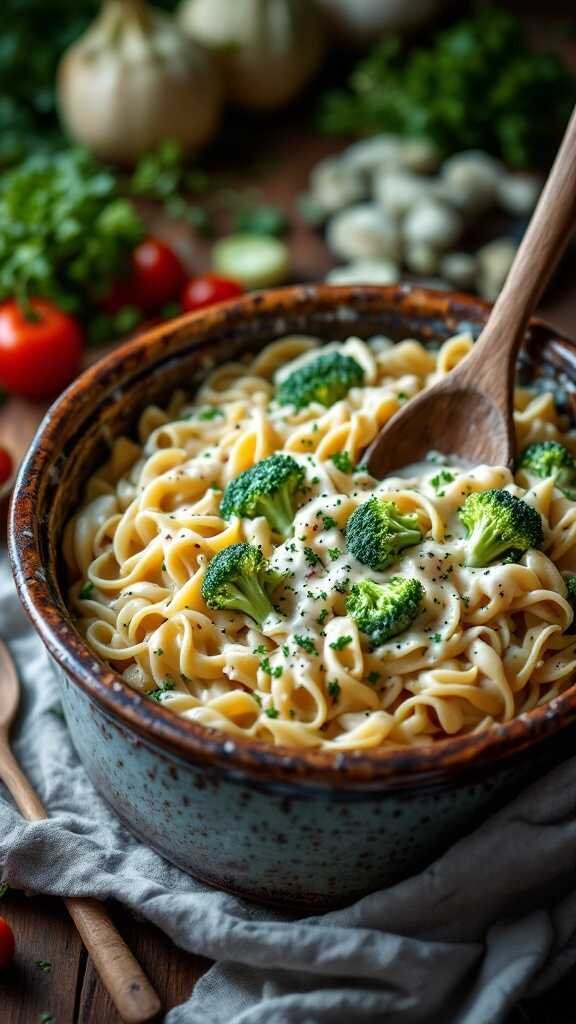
(277, 825)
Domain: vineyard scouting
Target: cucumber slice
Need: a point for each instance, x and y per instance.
(254, 261)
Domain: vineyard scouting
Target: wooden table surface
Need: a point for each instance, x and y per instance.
(66, 989)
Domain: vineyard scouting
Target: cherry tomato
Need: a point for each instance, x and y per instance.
(6, 466)
(7, 944)
(155, 278)
(207, 290)
(40, 354)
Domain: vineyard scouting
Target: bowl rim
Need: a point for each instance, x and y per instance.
(451, 759)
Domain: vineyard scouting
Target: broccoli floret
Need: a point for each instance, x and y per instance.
(377, 532)
(267, 489)
(570, 581)
(326, 380)
(499, 525)
(240, 578)
(550, 458)
(383, 611)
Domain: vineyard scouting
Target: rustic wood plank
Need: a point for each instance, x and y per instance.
(43, 933)
(172, 971)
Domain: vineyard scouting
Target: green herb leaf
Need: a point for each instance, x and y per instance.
(334, 690)
(306, 643)
(343, 462)
(164, 687)
(434, 91)
(341, 643)
(65, 231)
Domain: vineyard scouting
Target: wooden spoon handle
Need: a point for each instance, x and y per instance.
(121, 974)
(543, 244)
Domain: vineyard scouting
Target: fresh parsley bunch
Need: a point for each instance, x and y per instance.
(479, 84)
(65, 230)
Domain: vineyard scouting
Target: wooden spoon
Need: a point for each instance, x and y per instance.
(469, 412)
(124, 979)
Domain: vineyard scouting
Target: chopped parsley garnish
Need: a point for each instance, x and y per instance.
(322, 617)
(43, 965)
(165, 685)
(343, 462)
(86, 591)
(311, 557)
(328, 523)
(158, 652)
(334, 690)
(272, 712)
(306, 643)
(442, 478)
(275, 672)
(436, 638)
(285, 650)
(341, 642)
(260, 649)
(211, 413)
(334, 553)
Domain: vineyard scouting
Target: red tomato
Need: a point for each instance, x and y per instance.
(7, 944)
(207, 290)
(155, 278)
(38, 356)
(5, 466)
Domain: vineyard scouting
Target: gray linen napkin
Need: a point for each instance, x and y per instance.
(491, 921)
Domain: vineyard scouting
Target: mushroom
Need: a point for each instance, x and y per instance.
(459, 268)
(472, 180)
(397, 191)
(421, 259)
(379, 151)
(334, 184)
(364, 232)
(420, 155)
(432, 223)
(518, 193)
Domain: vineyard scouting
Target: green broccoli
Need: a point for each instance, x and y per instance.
(499, 525)
(550, 458)
(383, 611)
(377, 532)
(570, 581)
(266, 489)
(326, 380)
(240, 578)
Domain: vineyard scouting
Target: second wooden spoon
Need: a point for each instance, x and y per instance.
(469, 412)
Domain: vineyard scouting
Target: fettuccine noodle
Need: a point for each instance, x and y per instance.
(489, 644)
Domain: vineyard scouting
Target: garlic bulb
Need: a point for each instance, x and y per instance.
(134, 79)
(362, 22)
(268, 49)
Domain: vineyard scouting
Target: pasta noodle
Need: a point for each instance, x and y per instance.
(489, 644)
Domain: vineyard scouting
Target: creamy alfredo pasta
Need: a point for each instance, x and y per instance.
(485, 642)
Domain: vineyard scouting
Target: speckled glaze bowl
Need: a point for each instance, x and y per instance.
(290, 827)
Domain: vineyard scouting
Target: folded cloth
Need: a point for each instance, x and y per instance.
(491, 921)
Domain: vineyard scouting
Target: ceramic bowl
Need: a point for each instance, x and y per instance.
(292, 827)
